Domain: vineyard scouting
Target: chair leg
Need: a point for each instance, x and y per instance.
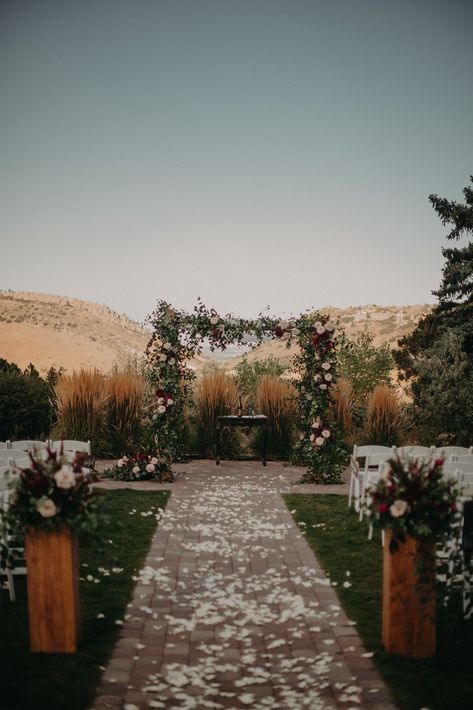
(11, 585)
(350, 492)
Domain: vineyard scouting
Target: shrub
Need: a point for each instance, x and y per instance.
(25, 409)
(275, 399)
(364, 364)
(384, 417)
(216, 395)
(81, 409)
(248, 375)
(124, 393)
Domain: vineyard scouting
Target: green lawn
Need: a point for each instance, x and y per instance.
(59, 681)
(340, 542)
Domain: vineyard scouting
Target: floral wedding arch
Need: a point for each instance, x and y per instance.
(178, 336)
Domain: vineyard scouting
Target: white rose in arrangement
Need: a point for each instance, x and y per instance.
(170, 401)
(149, 468)
(316, 378)
(214, 320)
(312, 438)
(65, 478)
(154, 461)
(326, 366)
(162, 357)
(330, 327)
(160, 400)
(320, 441)
(120, 463)
(322, 387)
(136, 469)
(398, 508)
(328, 377)
(161, 409)
(172, 360)
(326, 433)
(318, 324)
(308, 397)
(321, 330)
(46, 507)
(167, 346)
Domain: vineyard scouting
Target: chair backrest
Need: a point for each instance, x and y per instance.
(21, 461)
(377, 459)
(362, 451)
(466, 482)
(451, 469)
(28, 444)
(5, 455)
(449, 452)
(468, 458)
(415, 451)
(72, 445)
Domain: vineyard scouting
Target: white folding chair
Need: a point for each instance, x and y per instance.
(357, 473)
(11, 547)
(468, 458)
(466, 480)
(420, 454)
(72, 445)
(451, 469)
(374, 466)
(450, 453)
(28, 445)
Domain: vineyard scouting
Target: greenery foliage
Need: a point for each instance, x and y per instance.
(216, 394)
(25, 409)
(364, 364)
(249, 373)
(124, 392)
(81, 408)
(447, 333)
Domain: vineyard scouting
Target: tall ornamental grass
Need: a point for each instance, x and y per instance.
(343, 407)
(275, 398)
(216, 394)
(124, 409)
(384, 417)
(80, 400)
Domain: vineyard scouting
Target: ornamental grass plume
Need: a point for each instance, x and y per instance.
(80, 401)
(216, 394)
(384, 417)
(276, 399)
(124, 392)
(342, 406)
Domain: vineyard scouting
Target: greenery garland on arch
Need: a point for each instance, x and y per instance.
(178, 336)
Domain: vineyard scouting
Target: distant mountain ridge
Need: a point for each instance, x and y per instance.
(56, 331)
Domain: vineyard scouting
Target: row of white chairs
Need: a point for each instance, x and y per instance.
(38, 445)
(376, 456)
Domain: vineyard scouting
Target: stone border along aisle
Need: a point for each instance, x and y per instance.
(232, 609)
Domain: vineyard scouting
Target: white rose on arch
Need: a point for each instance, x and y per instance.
(214, 320)
(149, 468)
(326, 366)
(323, 387)
(328, 377)
(330, 327)
(321, 330)
(312, 438)
(161, 409)
(136, 469)
(170, 401)
(326, 433)
(320, 441)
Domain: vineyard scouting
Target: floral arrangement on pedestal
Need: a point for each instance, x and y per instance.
(178, 336)
(49, 494)
(414, 499)
(140, 468)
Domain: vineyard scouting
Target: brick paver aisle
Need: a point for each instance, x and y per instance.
(232, 610)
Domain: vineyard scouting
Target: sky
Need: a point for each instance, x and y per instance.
(250, 152)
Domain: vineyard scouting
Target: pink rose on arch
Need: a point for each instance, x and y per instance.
(326, 433)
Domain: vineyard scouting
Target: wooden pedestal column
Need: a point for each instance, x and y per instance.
(409, 600)
(52, 560)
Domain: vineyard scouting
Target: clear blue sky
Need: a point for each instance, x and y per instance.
(250, 152)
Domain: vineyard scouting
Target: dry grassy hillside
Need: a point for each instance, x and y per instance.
(386, 323)
(55, 331)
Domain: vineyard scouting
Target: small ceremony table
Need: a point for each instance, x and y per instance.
(245, 421)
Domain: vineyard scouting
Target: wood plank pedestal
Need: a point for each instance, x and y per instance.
(409, 598)
(52, 560)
